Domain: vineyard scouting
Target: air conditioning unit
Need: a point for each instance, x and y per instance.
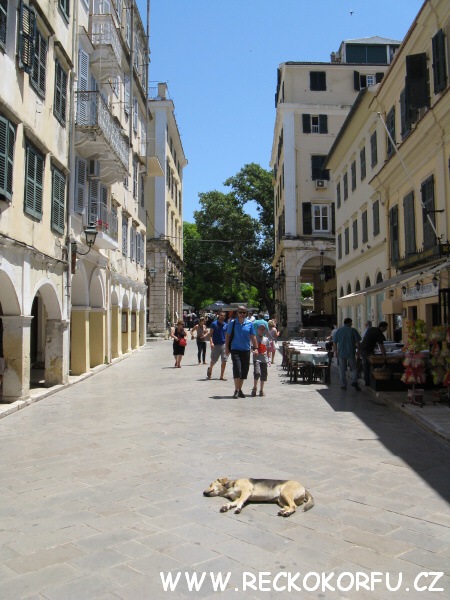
(94, 169)
(321, 184)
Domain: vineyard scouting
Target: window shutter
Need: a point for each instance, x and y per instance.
(83, 86)
(364, 227)
(58, 200)
(3, 21)
(439, 64)
(39, 64)
(80, 185)
(126, 92)
(132, 243)
(395, 255)
(323, 123)
(94, 198)
(410, 225)
(59, 107)
(416, 83)
(27, 34)
(333, 219)
(306, 123)
(7, 139)
(34, 180)
(376, 217)
(378, 77)
(356, 81)
(427, 191)
(355, 234)
(307, 218)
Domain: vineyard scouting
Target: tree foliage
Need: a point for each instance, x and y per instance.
(227, 252)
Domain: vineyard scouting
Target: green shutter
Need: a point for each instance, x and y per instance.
(427, 190)
(416, 82)
(37, 77)
(307, 218)
(58, 200)
(59, 105)
(27, 34)
(323, 123)
(393, 220)
(410, 225)
(306, 123)
(439, 63)
(3, 21)
(7, 139)
(34, 182)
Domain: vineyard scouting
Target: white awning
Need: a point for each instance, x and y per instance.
(402, 278)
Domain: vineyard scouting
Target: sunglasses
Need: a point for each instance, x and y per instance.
(242, 312)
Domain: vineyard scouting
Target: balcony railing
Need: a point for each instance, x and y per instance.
(104, 33)
(93, 115)
(107, 222)
(422, 256)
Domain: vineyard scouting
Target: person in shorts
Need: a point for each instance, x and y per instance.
(260, 361)
(239, 340)
(217, 343)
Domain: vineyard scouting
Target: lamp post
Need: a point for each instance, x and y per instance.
(90, 233)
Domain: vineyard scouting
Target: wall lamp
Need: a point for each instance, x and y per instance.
(391, 293)
(90, 233)
(418, 286)
(435, 281)
(152, 273)
(404, 289)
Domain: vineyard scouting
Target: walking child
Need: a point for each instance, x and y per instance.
(260, 361)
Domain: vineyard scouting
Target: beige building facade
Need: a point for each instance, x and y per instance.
(394, 265)
(312, 103)
(164, 203)
(73, 158)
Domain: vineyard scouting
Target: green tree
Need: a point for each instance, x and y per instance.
(228, 254)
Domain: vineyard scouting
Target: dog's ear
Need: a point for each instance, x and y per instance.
(223, 480)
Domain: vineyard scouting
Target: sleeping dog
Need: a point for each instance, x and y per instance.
(287, 494)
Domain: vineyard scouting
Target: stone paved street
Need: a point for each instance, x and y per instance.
(101, 488)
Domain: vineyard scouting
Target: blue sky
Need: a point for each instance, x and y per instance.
(220, 58)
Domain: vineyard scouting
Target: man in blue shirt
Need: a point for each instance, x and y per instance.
(239, 338)
(217, 343)
(346, 344)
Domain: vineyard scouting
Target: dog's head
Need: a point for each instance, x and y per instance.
(217, 487)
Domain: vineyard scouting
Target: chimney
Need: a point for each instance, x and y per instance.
(333, 57)
(162, 91)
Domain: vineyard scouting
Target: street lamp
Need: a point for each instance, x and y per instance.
(322, 274)
(418, 286)
(152, 273)
(90, 233)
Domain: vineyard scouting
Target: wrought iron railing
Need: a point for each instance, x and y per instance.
(93, 112)
(104, 32)
(107, 222)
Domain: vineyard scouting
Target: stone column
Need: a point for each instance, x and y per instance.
(16, 348)
(79, 340)
(135, 333)
(56, 371)
(142, 328)
(116, 337)
(97, 346)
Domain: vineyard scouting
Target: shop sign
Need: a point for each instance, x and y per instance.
(426, 290)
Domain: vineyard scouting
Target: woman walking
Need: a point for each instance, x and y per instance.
(202, 336)
(273, 341)
(179, 336)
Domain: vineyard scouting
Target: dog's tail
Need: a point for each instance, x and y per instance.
(309, 501)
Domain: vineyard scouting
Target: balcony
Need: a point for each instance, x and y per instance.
(106, 59)
(107, 230)
(99, 135)
(422, 256)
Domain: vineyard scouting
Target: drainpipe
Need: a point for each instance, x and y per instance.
(71, 164)
(130, 112)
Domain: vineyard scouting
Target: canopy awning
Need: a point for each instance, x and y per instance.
(402, 278)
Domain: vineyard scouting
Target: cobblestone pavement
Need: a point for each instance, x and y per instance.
(101, 489)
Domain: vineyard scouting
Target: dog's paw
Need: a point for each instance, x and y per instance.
(284, 513)
(237, 511)
(224, 508)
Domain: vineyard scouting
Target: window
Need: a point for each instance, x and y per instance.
(376, 217)
(320, 212)
(3, 22)
(64, 5)
(417, 81)
(345, 186)
(80, 185)
(307, 218)
(7, 139)
(439, 63)
(27, 35)
(355, 234)
(135, 178)
(135, 114)
(37, 76)
(339, 245)
(353, 171)
(365, 235)
(346, 241)
(409, 223)
(34, 181)
(126, 93)
(374, 149)
(133, 243)
(124, 236)
(408, 116)
(429, 218)
(393, 222)
(58, 200)
(362, 162)
(142, 190)
(363, 80)
(59, 105)
(338, 194)
(317, 81)
(317, 170)
(390, 124)
(315, 123)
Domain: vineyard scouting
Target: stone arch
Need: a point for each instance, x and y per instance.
(49, 294)
(379, 277)
(114, 298)
(8, 296)
(367, 282)
(357, 286)
(97, 290)
(349, 288)
(80, 286)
